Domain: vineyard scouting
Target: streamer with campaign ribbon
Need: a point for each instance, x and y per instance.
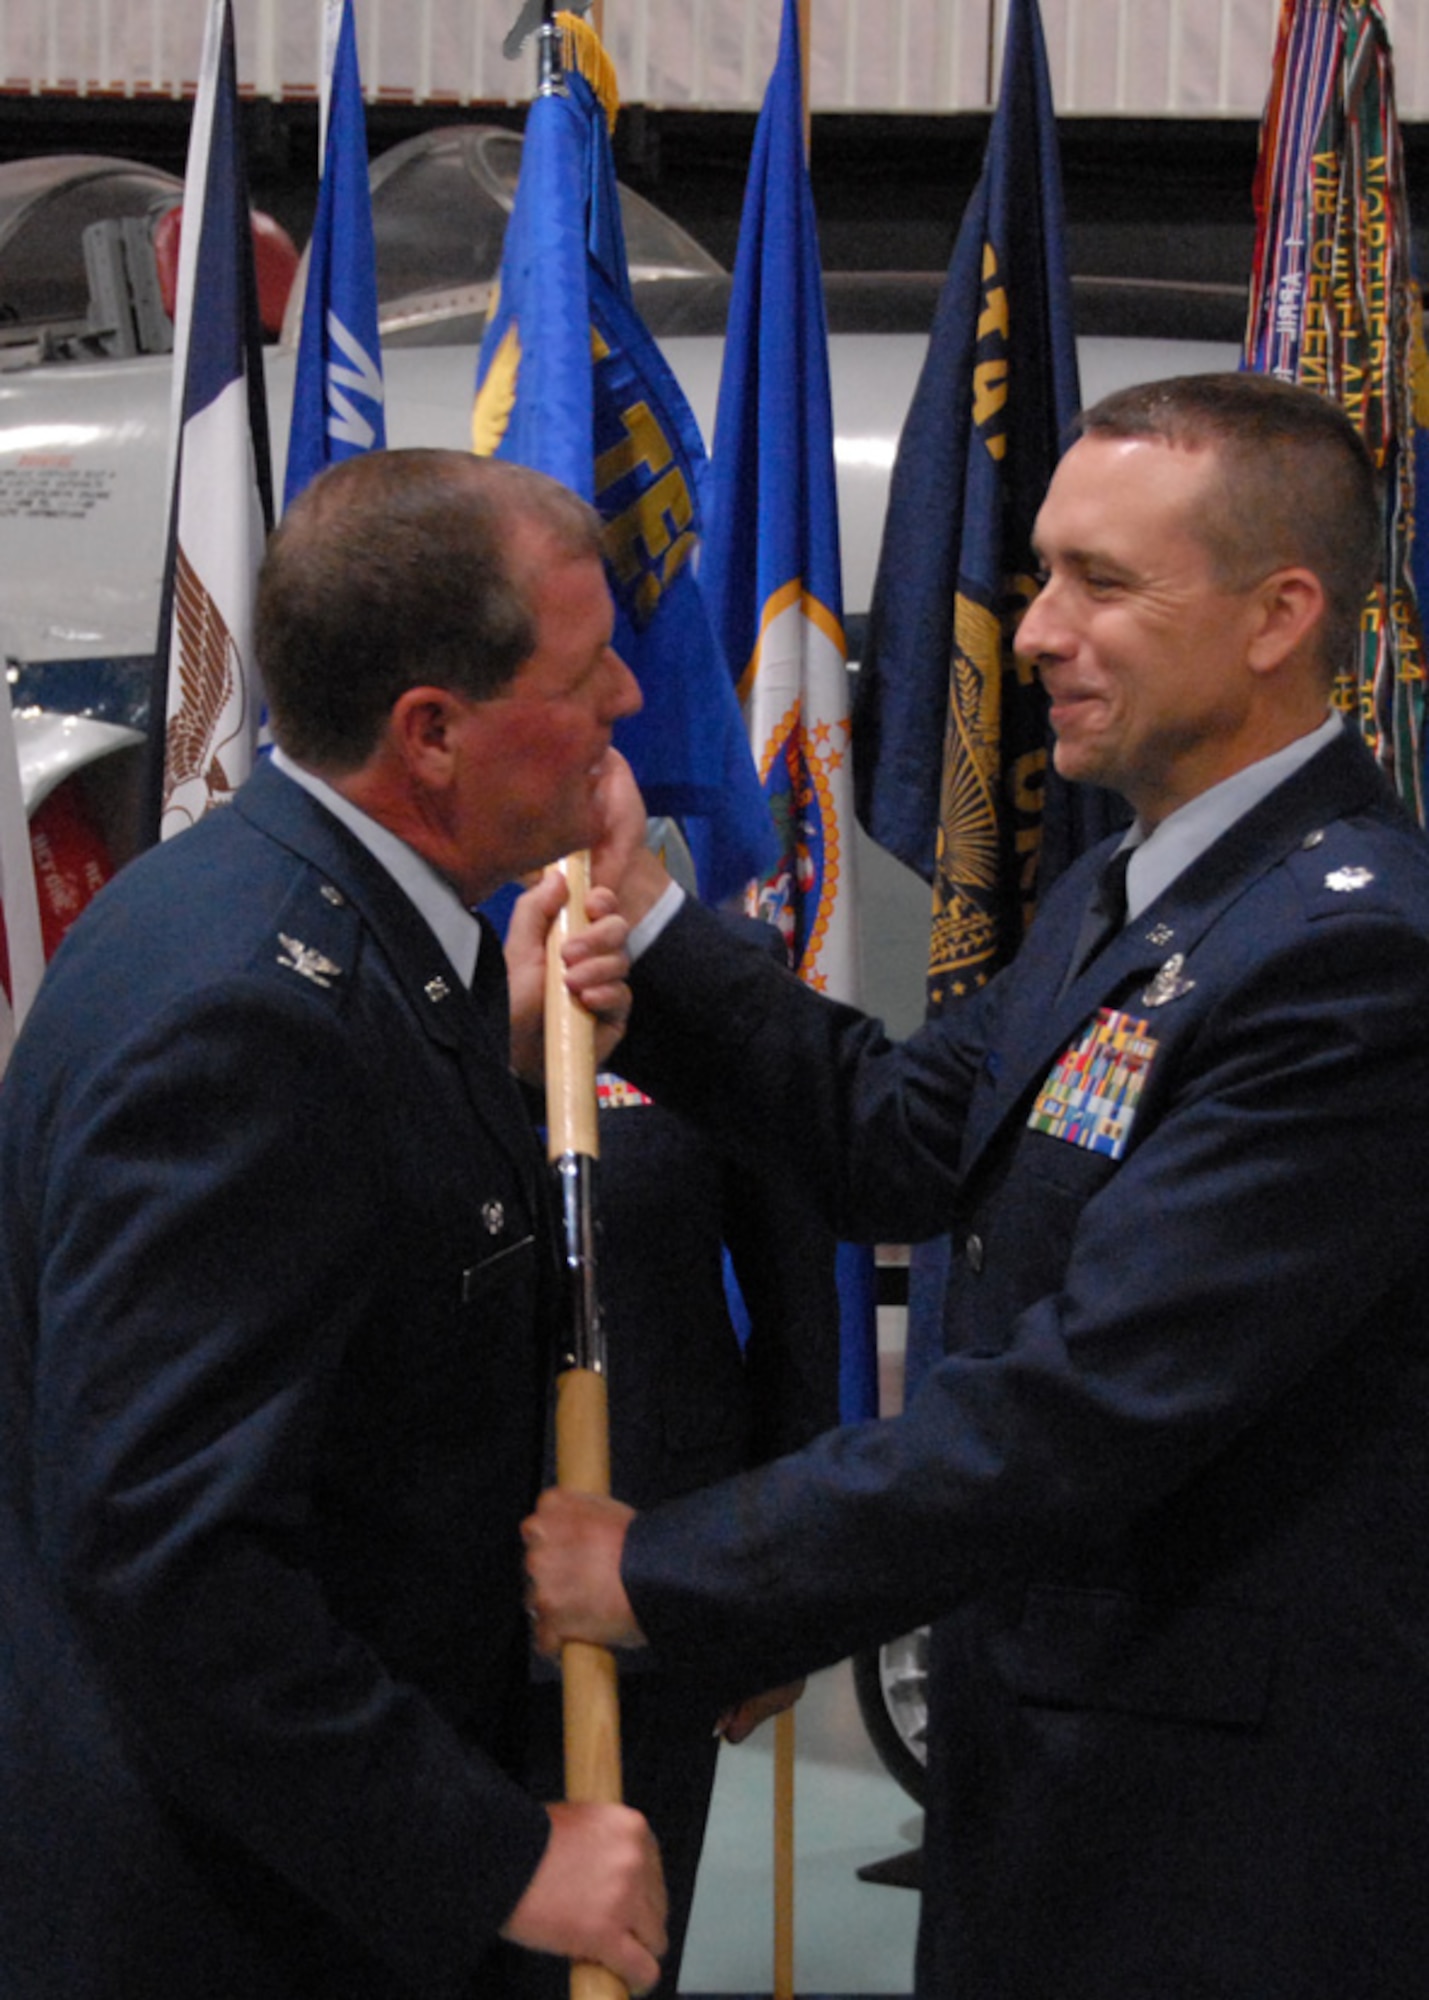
(1334, 307)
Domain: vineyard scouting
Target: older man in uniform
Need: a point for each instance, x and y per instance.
(276, 1275)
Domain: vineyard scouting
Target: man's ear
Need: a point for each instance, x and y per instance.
(1290, 604)
(421, 728)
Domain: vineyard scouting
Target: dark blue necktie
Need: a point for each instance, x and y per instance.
(1105, 914)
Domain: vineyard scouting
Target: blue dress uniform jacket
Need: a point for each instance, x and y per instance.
(1167, 1495)
(275, 1284)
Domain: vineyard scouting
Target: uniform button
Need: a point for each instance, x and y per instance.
(973, 1252)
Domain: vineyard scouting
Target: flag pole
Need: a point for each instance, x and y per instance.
(19, 892)
(590, 1698)
(784, 1725)
(784, 1855)
(590, 1702)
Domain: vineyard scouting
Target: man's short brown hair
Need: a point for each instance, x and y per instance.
(1296, 485)
(392, 570)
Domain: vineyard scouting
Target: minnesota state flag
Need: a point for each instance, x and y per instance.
(770, 565)
(770, 573)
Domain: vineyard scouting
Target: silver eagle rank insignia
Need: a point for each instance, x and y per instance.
(307, 962)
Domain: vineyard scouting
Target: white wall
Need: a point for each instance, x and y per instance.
(1187, 57)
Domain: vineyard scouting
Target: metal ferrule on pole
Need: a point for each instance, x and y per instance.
(550, 77)
(584, 1342)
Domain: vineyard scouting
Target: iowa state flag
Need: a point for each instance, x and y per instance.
(951, 736)
(337, 387)
(770, 573)
(206, 702)
(1334, 306)
(570, 381)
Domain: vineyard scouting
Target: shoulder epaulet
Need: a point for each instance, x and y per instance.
(315, 936)
(1338, 873)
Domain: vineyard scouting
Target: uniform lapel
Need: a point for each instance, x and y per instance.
(473, 1028)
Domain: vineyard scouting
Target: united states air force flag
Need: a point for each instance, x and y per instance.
(770, 573)
(206, 701)
(951, 734)
(570, 381)
(337, 387)
(1334, 306)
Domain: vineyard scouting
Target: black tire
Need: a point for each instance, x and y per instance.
(891, 1685)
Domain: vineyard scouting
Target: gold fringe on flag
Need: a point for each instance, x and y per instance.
(583, 51)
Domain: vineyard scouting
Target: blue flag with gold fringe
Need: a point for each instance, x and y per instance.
(570, 381)
(771, 576)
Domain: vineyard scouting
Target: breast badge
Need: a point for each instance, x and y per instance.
(1169, 984)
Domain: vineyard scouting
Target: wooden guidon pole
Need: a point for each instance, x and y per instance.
(785, 1728)
(589, 1697)
(784, 1855)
